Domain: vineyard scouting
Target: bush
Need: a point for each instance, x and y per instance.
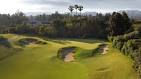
(110, 38)
(132, 35)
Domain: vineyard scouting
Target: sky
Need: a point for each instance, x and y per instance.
(50, 6)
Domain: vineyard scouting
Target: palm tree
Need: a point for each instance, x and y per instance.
(71, 8)
(80, 8)
(76, 7)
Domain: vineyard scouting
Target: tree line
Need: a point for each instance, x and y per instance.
(67, 25)
(58, 25)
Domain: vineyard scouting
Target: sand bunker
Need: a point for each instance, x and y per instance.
(69, 57)
(67, 54)
(104, 48)
(28, 41)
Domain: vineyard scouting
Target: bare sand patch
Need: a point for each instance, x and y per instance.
(69, 57)
(67, 54)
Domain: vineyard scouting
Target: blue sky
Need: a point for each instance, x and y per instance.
(50, 6)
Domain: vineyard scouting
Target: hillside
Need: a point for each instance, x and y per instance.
(37, 60)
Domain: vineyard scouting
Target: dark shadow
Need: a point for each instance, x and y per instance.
(4, 42)
(10, 52)
(26, 41)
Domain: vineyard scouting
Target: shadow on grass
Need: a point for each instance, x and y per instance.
(4, 42)
(8, 52)
(27, 41)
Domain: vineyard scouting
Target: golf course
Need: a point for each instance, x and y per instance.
(37, 59)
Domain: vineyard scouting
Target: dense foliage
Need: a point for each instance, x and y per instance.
(57, 25)
(130, 44)
(66, 25)
(119, 24)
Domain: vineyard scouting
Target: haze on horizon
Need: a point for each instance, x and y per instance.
(50, 6)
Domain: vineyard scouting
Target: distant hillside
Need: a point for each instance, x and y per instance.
(38, 13)
(90, 13)
(135, 14)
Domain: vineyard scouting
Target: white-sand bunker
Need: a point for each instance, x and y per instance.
(69, 57)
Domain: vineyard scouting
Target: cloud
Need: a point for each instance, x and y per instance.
(109, 5)
(62, 5)
(48, 2)
(90, 4)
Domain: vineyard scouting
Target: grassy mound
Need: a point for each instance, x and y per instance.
(80, 53)
(28, 41)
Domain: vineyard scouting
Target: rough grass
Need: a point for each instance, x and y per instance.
(113, 65)
(41, 62)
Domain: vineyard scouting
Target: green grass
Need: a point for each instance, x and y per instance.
(40, 62)
(113, 65)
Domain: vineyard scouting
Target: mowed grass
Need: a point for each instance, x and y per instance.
(40, 62)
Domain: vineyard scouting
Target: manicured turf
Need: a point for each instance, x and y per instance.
(40, 62)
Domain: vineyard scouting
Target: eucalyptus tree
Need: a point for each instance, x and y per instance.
(71, 8)
(76, 8)
(80, 8)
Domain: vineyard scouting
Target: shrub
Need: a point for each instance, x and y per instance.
(111, 38)
(132, 35)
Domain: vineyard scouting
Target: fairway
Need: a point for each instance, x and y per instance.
(40, 62)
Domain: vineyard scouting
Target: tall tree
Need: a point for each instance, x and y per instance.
(119, 24)
(127, 22)
(80, 8)
(71, 8)
(76, 8)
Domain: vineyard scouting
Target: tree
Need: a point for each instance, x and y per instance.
(119, 24)
(60, 27)
(18, 18)
(80, 8)
(127, 22)
(71, 8)
(76, 8)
